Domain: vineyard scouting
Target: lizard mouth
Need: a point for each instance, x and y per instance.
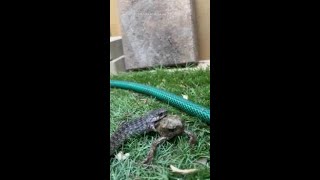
(162, 115)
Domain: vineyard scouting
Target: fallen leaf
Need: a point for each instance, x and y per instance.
(182, 171)
(202, 160)
(185, 96)
(120, 156)
(144, 100)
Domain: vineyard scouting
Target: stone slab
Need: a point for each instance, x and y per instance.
(158, 32)
(116, 49)
(117, 66)
(204, 64)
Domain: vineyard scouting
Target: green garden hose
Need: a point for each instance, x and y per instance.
(174, 100)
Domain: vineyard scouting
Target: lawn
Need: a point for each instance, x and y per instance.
(126, 105)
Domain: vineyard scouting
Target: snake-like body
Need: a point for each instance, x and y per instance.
(138, 126)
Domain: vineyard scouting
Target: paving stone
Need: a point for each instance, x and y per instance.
(158, 32)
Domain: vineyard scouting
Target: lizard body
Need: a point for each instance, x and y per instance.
(138, 126)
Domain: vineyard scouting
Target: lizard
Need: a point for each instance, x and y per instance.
(156, 121)
(138, 126)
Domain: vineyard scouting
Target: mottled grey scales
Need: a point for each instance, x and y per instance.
(158, 32)
(138, 126)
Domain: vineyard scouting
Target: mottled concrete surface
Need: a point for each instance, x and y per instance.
(117, 66)
(158, 32)
(116, 49)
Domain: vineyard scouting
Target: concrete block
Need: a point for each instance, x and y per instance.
(116, 49)
(204, 64)
(117, 66)
(158, 32)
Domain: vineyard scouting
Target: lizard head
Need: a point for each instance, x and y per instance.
(157, 115)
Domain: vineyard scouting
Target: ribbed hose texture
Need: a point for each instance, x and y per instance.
(172, 99)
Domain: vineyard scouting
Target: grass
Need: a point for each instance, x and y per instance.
(126, 105)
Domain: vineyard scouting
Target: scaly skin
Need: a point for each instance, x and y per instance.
(138, 126)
